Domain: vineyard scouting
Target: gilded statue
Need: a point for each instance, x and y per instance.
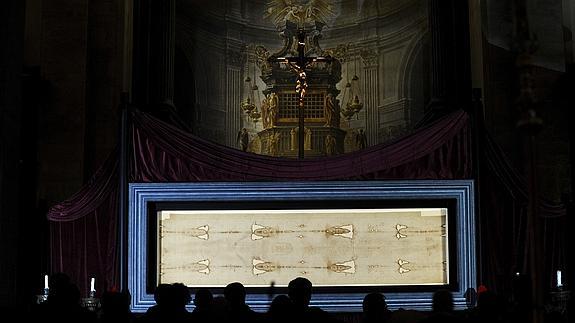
(272, 108)
(265, 113)
(329, 111)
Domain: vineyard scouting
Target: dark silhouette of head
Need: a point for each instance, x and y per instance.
(66, 295)
(280, 309)
(115, 304)
(442, 301)
(161, 294)
(374, 306)
(62, 291)
(203, 299)
(180, 295)
(299, 291)
(235, 294)
(220, 305)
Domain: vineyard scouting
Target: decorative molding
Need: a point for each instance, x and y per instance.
(400, 104)
(235, 57)
(369, 57)
(342, 52)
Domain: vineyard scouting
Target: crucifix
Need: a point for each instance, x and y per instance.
(299, 64)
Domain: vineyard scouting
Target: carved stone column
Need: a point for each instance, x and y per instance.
(234, 85)
(162, 47)
(450, 58)
(371, 94)
(441, 40)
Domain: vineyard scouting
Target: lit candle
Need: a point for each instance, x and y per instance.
(45, 281)
(559, 282)
(92, 283)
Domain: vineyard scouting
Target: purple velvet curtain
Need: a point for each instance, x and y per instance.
(83, 231)
(163, 153)
(503, 223)
(83, 228)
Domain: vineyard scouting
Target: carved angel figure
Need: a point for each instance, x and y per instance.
(299, 12)
(262, 55)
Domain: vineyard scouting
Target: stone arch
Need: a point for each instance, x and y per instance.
(197, 64)
(407, 78)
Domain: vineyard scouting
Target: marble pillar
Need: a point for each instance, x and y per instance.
(234, 85)
(371, 94)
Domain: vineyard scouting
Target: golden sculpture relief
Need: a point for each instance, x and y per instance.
(299, 12)
(273, 143)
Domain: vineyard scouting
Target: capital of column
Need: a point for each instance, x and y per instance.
(236, 57)
(369, 57)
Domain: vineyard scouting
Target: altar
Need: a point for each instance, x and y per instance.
(279, 109)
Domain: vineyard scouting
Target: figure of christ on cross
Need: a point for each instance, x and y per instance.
(299, 64)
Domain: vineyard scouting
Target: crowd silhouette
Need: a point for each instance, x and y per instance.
(63, 305)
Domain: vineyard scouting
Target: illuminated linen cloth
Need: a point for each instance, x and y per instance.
(329, 247)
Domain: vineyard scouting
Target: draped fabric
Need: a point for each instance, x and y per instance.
(503, 223)
(162, 153)
(83, 231)
(83, 228)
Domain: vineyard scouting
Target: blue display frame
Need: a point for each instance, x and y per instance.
(461, 191)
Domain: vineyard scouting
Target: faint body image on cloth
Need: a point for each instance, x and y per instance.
(328, 246)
